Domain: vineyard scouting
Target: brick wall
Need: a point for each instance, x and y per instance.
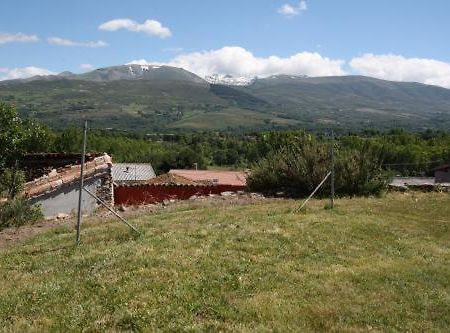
(150, 194)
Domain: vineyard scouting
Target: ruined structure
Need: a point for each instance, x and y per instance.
(54, 181)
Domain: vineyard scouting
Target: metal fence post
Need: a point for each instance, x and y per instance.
(80, 196)
(332, 169)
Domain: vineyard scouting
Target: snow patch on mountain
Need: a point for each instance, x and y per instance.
(229, 80)
(140, 69)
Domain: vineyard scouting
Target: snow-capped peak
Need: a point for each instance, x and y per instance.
(229, 80)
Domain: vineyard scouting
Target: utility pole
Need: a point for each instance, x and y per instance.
(332, 169)
(80, 196)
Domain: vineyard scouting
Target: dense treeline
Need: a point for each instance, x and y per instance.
(404, 153)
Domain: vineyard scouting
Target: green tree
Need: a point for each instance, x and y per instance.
(12, 134)
(19, 136)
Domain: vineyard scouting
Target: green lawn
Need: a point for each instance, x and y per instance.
(371, 264)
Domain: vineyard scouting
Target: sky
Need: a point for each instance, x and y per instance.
(401, 40)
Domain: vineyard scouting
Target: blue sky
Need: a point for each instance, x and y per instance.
(404, 40)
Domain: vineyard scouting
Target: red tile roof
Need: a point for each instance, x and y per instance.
(234, 178)
(69, 174)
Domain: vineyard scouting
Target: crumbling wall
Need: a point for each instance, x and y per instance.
(105, 190)
(40, 164)
(64, 200)
(58, 191)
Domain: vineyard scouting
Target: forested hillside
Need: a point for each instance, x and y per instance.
(150, 99)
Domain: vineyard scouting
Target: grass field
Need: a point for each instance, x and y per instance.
(230, 118)
(379, 264)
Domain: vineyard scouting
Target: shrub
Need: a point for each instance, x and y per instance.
(17, 212)
(360, 172)
(11, 182)
(297, 169)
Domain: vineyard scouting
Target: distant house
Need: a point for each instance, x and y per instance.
(441, 180)
(54, 180)
(129, 173)
(229, 178)
(404, 182)
(442, 174)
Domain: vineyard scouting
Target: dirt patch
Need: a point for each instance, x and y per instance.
(17, 234)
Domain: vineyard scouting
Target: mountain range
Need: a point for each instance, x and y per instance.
(150, 98)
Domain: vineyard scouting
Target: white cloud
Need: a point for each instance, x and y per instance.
(238, 61)
(86, 66)
(150, 27)
(18, 37)
(399, 68)
(23, 72)
(67, 42)
(293, 10)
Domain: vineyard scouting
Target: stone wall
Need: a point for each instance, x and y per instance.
(106, 189)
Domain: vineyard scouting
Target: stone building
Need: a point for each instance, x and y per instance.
(54, 181)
